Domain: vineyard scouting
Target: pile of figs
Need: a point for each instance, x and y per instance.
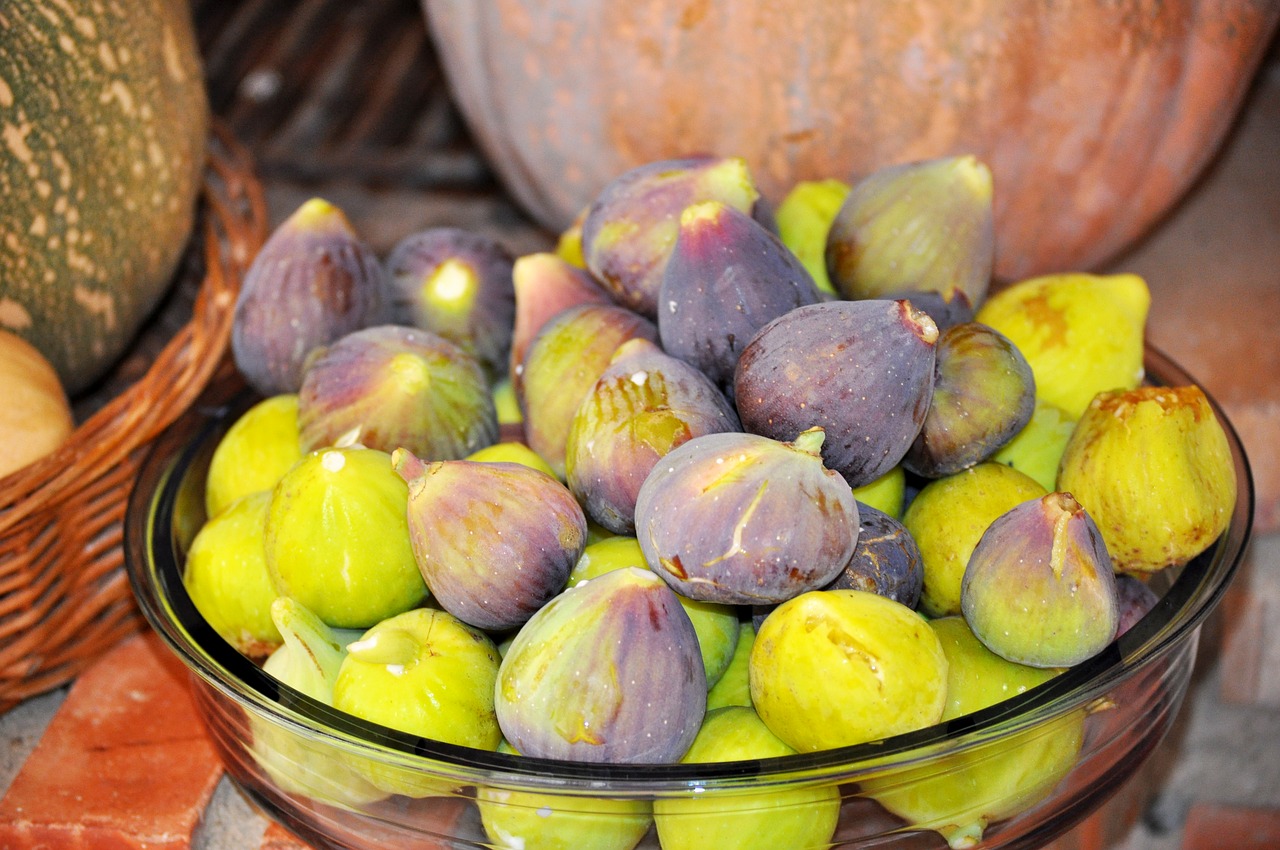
(712, 480)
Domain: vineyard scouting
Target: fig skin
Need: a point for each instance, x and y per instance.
(644, 404)
(983, 395)
(742, 519)
(227, 578)
(313, 281)
(1154, 469)
(458, 284)
(833, 668)
(255, 453)
(1037, 448)
(926, 225)
(861, 370)
(563, 363)
(545, 284)
(726, 278)
(631, 226)
(947, 518)
(804, 219)
(607, 672)
(337, 538)
(885, 560)
(716, 625)
(1082, 334)
(1135, 600)
(749, 820)
(389, 387)
(494, 541)
(1039, 588)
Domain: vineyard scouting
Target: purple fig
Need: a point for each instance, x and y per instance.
(727, 277)
(863, 371)
(743, 519)
(388, 387)
(645, 404)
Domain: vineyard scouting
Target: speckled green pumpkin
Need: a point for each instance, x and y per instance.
(103, 125)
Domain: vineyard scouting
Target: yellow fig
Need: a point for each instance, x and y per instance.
(1153, 467)
(1081, 333)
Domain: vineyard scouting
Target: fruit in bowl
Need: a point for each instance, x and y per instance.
(593, 685)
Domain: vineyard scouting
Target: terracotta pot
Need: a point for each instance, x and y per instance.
(1094, 117)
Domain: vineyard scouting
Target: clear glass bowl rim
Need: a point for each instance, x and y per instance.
(153, 567)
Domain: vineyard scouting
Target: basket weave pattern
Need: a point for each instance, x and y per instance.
(64, 597)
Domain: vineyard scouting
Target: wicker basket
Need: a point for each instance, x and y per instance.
(64, 598)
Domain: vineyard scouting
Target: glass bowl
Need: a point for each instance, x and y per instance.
(1015, 775)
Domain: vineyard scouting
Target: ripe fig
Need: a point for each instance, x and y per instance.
(726, 278)
(255, 453)
(631, 226)
(751, 820)
(1082, 334)
(926, 225)
(959, 795)
(833, 668)
(525, 820)
(511, 452)
(608, 671)
(308, 661)
(885, 560)
(861, 370)
(389, 387)
(743, 519)
(427, 673)
(804, 219)
(947, 518)
(314, 280)
(1039, 588)
(716, 625)
(983, 394)
(946, 311)
(563, 363)
(494, 541)
(887, 493)
(337, 538)
(1154, 469)
(644, 404)
(544, 285)
(457, 284)
(227, 579)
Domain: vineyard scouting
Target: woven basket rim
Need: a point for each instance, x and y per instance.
(135, 416)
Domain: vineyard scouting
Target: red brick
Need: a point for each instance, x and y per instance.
(276, 837)
(1213, 827)
(125, 763)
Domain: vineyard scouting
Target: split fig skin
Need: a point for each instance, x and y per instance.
(863, 371)
(1154, 469)
(742, 519)
(645, 404)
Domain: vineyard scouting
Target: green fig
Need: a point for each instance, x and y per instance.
(918, 226)
(255, 453)
(749, 820)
